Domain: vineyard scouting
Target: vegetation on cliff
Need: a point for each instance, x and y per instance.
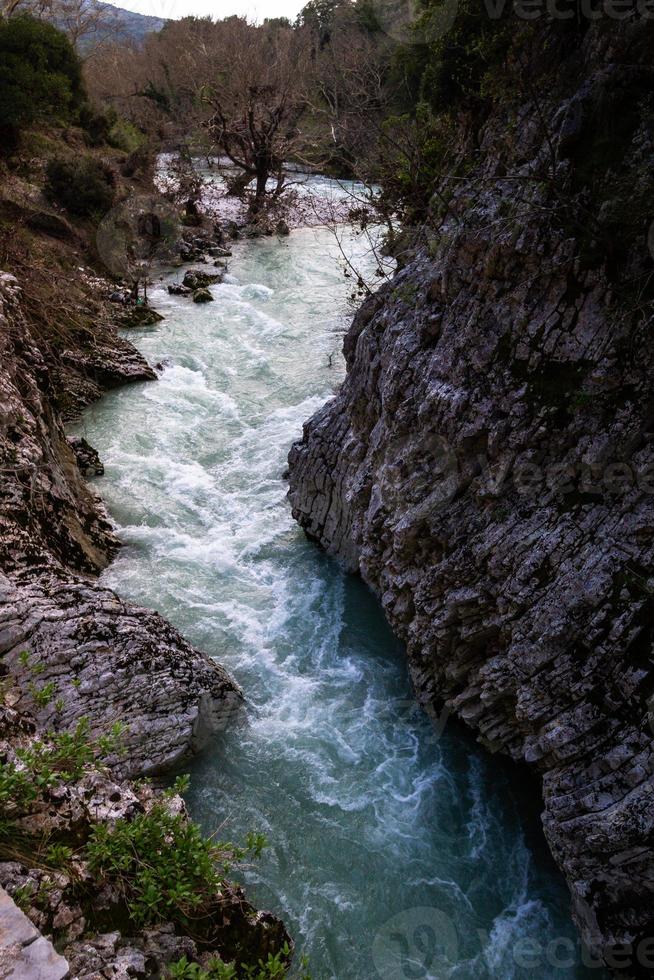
(70, 826)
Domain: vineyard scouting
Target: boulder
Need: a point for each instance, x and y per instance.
(189, 253)
(202, 296)
(197, 279)
(139, 316)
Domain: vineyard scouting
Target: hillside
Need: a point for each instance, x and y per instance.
(134, 25)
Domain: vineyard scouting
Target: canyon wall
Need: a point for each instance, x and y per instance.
(487, 465)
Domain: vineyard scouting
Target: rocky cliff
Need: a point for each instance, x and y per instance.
(487, 465)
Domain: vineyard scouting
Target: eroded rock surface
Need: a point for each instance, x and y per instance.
(487, 468)
(24, 953)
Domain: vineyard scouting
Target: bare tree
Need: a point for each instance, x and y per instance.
(89, 25)
(9, 7)
(257, 93)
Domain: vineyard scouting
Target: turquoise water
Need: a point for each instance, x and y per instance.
(393, 853)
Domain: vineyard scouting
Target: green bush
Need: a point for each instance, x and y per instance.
(162, 864)
(83, 186)
(97, 124)
(158, 862)
(448, 67)
(275, 967)
(417, 152)
(124, 136)
(40, 76)
(58, 759)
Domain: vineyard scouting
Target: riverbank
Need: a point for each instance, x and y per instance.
(95, 691)
(308, 201)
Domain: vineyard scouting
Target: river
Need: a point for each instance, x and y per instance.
(393, 852)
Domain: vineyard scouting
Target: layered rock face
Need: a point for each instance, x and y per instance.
(74, 648)
(487, 467)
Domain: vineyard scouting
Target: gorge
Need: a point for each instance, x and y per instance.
(393, 657)
(467, 469)
(369, 815)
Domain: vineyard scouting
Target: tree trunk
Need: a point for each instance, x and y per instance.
(262, 180)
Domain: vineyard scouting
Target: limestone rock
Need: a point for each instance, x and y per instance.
(196, 279)
(86, 457)
(24, 953)
(139, 316)
(99, 656)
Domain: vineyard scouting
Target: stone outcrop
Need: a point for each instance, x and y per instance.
(24, 953)
(86, 457)
(100, 657)
(487, 468)
(64, 904)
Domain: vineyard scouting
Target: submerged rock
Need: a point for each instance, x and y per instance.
(197, 279)
(139, 316)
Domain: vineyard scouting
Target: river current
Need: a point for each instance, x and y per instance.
(394, 851)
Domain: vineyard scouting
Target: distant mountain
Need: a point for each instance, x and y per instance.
(135, 26)
(89, 22)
